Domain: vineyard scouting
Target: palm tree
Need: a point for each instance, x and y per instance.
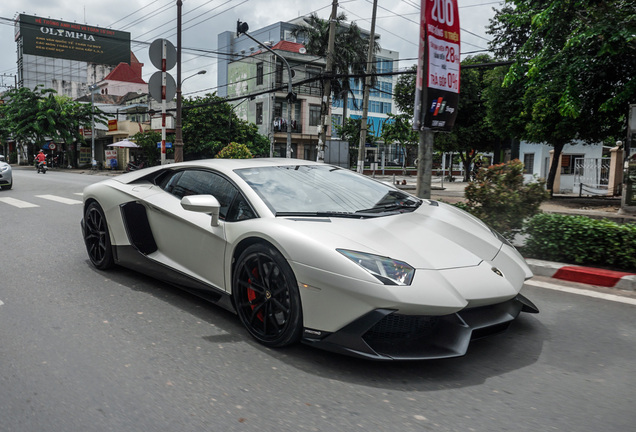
(349, 56)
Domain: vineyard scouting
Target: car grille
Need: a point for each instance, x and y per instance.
(401, 327)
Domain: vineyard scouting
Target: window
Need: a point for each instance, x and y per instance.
(234, 206)
(259, 73)
(259, 113)
(336, 122)
(384, 65)
(568, 163)
(314, 115)
(528, 163)
(313, 73)
(279, 73)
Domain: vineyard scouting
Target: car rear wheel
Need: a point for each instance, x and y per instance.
(97, 238)
(266, 296)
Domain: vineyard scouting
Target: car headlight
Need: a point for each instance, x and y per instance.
(4, 168)
(386, 270)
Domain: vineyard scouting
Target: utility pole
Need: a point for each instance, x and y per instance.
(322, 137)
(178, 139)
(367, 89)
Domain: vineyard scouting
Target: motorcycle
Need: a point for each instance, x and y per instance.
(41, 167)
(132, 167)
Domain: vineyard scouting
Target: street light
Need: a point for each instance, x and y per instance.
(242, 28)
(201, 72)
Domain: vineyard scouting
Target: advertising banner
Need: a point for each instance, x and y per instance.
(438, 67)
(65, 40)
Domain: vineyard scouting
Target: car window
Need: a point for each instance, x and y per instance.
(200, 182)
(240, 210)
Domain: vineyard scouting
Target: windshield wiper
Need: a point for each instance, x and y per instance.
(341, 214)
(392, 207)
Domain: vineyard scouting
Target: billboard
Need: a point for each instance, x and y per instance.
(60, 39)
(437, 81)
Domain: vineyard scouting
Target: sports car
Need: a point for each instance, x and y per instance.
(310, 252)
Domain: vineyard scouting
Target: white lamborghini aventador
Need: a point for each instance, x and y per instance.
(310, 252)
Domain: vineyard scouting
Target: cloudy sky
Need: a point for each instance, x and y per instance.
(202, 20)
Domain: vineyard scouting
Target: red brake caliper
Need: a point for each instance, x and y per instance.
(251, 294)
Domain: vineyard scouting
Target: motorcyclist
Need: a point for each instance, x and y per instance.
(40, 158)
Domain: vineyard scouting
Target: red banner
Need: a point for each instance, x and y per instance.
(439, 63)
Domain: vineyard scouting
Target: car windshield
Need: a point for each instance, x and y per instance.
(324, 190)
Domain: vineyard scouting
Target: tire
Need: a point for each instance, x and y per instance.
(266, 296)
(97, 237)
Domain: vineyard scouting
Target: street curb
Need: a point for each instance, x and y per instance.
(586, 275)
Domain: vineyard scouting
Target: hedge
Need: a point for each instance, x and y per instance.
(581, 240)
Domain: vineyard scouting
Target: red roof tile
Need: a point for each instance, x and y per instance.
(124, 73)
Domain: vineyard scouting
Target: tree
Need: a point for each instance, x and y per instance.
(234, 151)
(350, 131)
(399, 129)
(71, 116)
(350, 53)
(32, 116)
(471, 133)
(576, 64)
(209, 124)
(404, 91)
(148, 140)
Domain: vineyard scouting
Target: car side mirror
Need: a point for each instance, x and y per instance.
(203, 204)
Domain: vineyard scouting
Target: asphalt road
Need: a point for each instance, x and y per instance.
(84, 350)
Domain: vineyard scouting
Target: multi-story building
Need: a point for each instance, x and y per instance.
(65, 56)
(255, 77)
(242, 51)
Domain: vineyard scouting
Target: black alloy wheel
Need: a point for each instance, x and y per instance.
(97, 238)
(266, 296)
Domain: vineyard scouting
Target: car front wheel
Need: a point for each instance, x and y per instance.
(97, 238)
(266, 296)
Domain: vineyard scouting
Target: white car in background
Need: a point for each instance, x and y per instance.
(310, 252)
(6, 175)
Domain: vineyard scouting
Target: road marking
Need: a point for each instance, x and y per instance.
(588, 293)
(17, 203)
(59, 199)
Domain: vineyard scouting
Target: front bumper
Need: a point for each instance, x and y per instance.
(383, 334)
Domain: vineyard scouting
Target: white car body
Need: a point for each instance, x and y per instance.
(6, 175)
(465, 280)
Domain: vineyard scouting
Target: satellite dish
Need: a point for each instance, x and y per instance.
(302, 50)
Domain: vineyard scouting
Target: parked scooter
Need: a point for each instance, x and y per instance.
(132, 167)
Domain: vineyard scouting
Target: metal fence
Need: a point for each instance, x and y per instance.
(591, 176)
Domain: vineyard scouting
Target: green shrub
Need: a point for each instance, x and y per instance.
(500, 198)
(581, 240)
(234, 151)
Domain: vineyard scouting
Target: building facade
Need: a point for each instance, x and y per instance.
(241, 49)
(250, 84)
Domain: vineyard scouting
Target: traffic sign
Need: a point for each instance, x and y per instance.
(154, 87)
(155, 52)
